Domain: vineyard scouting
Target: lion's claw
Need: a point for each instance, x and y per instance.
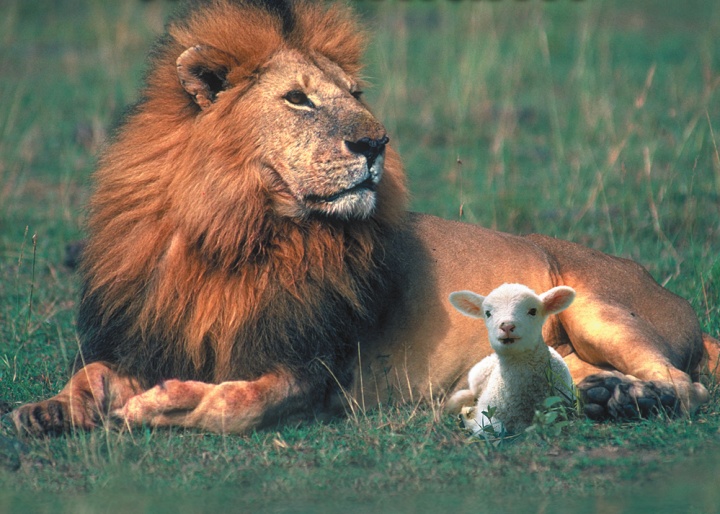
(41, 419)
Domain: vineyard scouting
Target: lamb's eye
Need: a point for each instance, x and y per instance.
(487, 314)
(532, 311)
(297, 97)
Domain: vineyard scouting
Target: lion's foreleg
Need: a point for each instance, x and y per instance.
(229, 407)
(607, 392)
(90, 393)
(625, 365)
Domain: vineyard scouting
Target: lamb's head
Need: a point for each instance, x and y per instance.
(513, 313)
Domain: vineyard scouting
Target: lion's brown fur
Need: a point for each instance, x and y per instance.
(188, 272)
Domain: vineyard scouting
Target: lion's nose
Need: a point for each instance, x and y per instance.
(370, 148)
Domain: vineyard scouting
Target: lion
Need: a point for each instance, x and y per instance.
(250, 258)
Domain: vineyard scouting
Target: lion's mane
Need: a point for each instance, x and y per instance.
(188, 272)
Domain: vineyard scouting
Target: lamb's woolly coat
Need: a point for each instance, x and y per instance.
(514, 385)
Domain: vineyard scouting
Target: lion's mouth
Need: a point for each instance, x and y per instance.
(366, 185)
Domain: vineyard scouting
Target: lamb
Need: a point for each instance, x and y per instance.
(509, 384)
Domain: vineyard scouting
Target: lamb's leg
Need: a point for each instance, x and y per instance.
(229, 407)
(474, 419)
(90, 394)
(477, 379)
(460, 399)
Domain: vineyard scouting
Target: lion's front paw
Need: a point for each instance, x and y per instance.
(166, 401)
(138, 409)
(616, 396)
(51, 417)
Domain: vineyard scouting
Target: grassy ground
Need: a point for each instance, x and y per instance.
(592, 121)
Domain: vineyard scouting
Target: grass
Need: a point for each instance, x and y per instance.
(591, 121)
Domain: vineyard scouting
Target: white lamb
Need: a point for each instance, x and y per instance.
(523, 371)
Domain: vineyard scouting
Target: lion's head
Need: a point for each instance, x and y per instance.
(250, 176)
(281, 89)
(323, 152)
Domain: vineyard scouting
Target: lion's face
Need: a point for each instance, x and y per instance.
(324, 149)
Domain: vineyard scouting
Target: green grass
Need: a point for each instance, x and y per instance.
(592, 121)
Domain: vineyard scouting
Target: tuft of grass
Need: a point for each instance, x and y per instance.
(591, 121)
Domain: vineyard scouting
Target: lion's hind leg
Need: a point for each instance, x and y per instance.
(235, 407)
(88, 396)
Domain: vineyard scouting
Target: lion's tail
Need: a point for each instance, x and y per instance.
(710, 365)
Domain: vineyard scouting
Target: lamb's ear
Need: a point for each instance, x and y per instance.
(557, 299)
(203, 71)
(468, 303)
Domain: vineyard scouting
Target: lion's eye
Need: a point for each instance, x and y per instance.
(487, 314)
(297, 97)
(357, 94)
(532, 311)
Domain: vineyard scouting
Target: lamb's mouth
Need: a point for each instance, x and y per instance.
(509, 340)
(366, 185)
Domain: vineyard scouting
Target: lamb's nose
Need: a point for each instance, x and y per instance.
(507, 327)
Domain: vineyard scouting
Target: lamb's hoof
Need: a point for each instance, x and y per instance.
(612, 395)
(466, 414)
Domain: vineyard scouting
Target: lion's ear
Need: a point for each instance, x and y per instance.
(203, 71)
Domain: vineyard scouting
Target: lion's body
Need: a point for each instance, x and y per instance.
(249, 251)
(426, 343)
